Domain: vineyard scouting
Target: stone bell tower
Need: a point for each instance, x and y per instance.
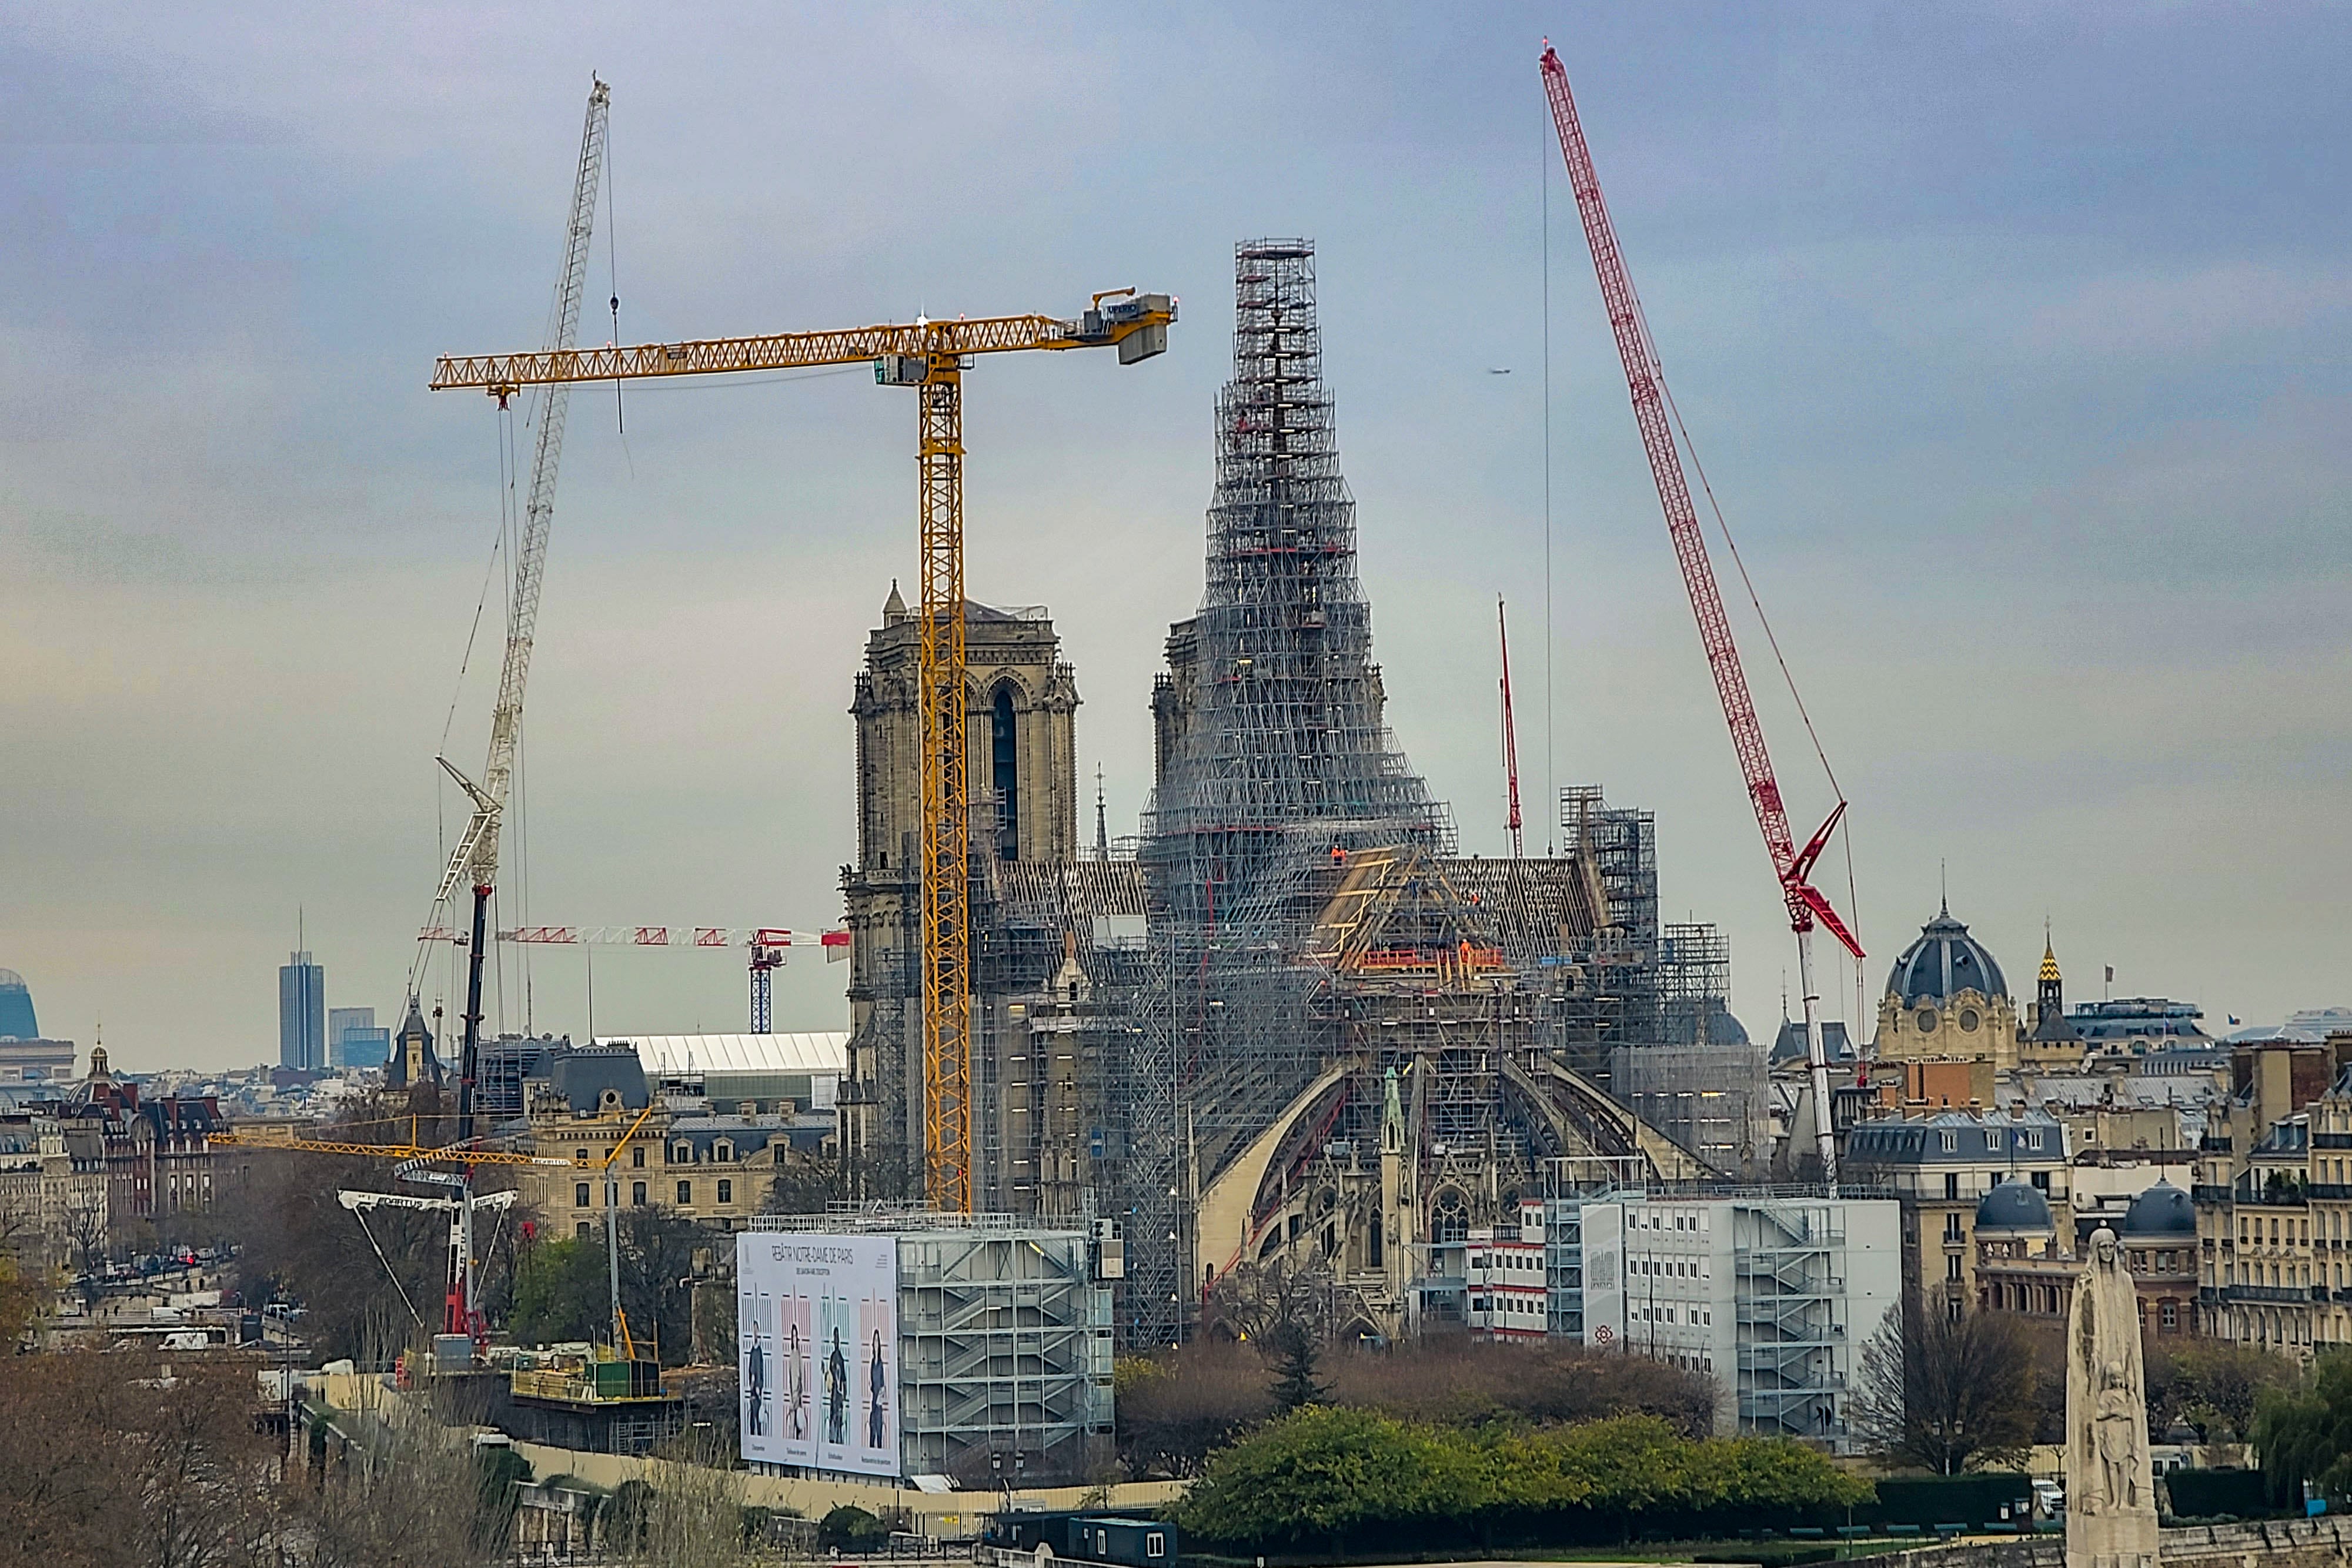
(1020, 702)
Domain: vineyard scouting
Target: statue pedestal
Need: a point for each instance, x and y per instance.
(2110, 1487)
(2090, 1543)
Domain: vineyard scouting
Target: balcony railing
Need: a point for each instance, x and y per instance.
(2286, 1295)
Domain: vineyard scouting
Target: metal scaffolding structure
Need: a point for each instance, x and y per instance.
(1702, 1083)
(1694, 985)
(1619, 847)
(1292, 1027)
(1059, 953)
(1275, 768)
(1004, 1343)
(1790, 1262)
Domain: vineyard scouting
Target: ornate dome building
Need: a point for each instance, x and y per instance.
(2016, 1210)
(2163, 1216)
(1946, 996)
(2159, 1233)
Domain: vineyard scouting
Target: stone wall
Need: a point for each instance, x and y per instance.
(2274, 1542)
(2322, 1542)
(2032, 1551)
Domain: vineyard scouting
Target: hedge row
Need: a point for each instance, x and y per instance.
(1330, 1479)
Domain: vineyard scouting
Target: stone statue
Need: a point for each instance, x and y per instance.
(2110, 1489)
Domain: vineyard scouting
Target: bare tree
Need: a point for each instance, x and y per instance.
(20, 1229)
(402, 1490)
(1255, 1301)
(694, 1517)
(805, 1182)
(1174, 1410)
(2218, 1384)
(133, 1459)
(1462, 1381)
(1946, 1393)
(87, 1237)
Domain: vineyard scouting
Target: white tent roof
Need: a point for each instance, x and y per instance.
(825, 1053)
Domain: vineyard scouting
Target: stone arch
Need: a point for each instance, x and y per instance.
(1002, 711)
(980, 685)
(1449, 1215)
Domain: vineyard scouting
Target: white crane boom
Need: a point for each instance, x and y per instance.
(478, 851)
(476, 858)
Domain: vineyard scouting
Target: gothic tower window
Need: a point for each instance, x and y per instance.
(1006, 772)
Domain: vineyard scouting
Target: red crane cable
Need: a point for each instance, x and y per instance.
(1511, 732)
(1646, 384)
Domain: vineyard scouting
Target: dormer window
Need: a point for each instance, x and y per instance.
(682, 1154)
(723, 1152)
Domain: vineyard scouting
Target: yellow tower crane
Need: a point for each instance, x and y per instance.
(930, 357)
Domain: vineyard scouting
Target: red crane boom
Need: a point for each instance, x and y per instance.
(1645, 381)
(1510, 731)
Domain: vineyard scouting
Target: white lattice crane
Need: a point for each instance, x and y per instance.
(476, 861)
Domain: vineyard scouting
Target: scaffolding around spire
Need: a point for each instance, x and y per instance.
(1275, 767)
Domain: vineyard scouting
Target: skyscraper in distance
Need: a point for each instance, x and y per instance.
(18, 1020)
(355, 1041)
(301, 1013)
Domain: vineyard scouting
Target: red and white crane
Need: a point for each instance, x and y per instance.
(1645, 381)
(767, 945)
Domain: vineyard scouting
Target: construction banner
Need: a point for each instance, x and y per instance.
(817, 1328)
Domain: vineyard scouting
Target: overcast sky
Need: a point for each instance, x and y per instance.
(2014, 339)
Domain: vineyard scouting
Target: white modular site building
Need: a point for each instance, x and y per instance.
(1772, 1295)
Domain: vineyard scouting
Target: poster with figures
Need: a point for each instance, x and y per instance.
(818, 1328)
(755, 1318)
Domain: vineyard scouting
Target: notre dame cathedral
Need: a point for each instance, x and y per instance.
(1290, 1024)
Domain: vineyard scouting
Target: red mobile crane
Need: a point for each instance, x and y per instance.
(1645, 381)
(1510, 731)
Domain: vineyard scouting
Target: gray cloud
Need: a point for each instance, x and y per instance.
(2013, 339)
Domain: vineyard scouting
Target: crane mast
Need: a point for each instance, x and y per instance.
(1645, 382)
(476, 860)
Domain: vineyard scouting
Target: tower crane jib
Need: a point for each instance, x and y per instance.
(930, 357)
